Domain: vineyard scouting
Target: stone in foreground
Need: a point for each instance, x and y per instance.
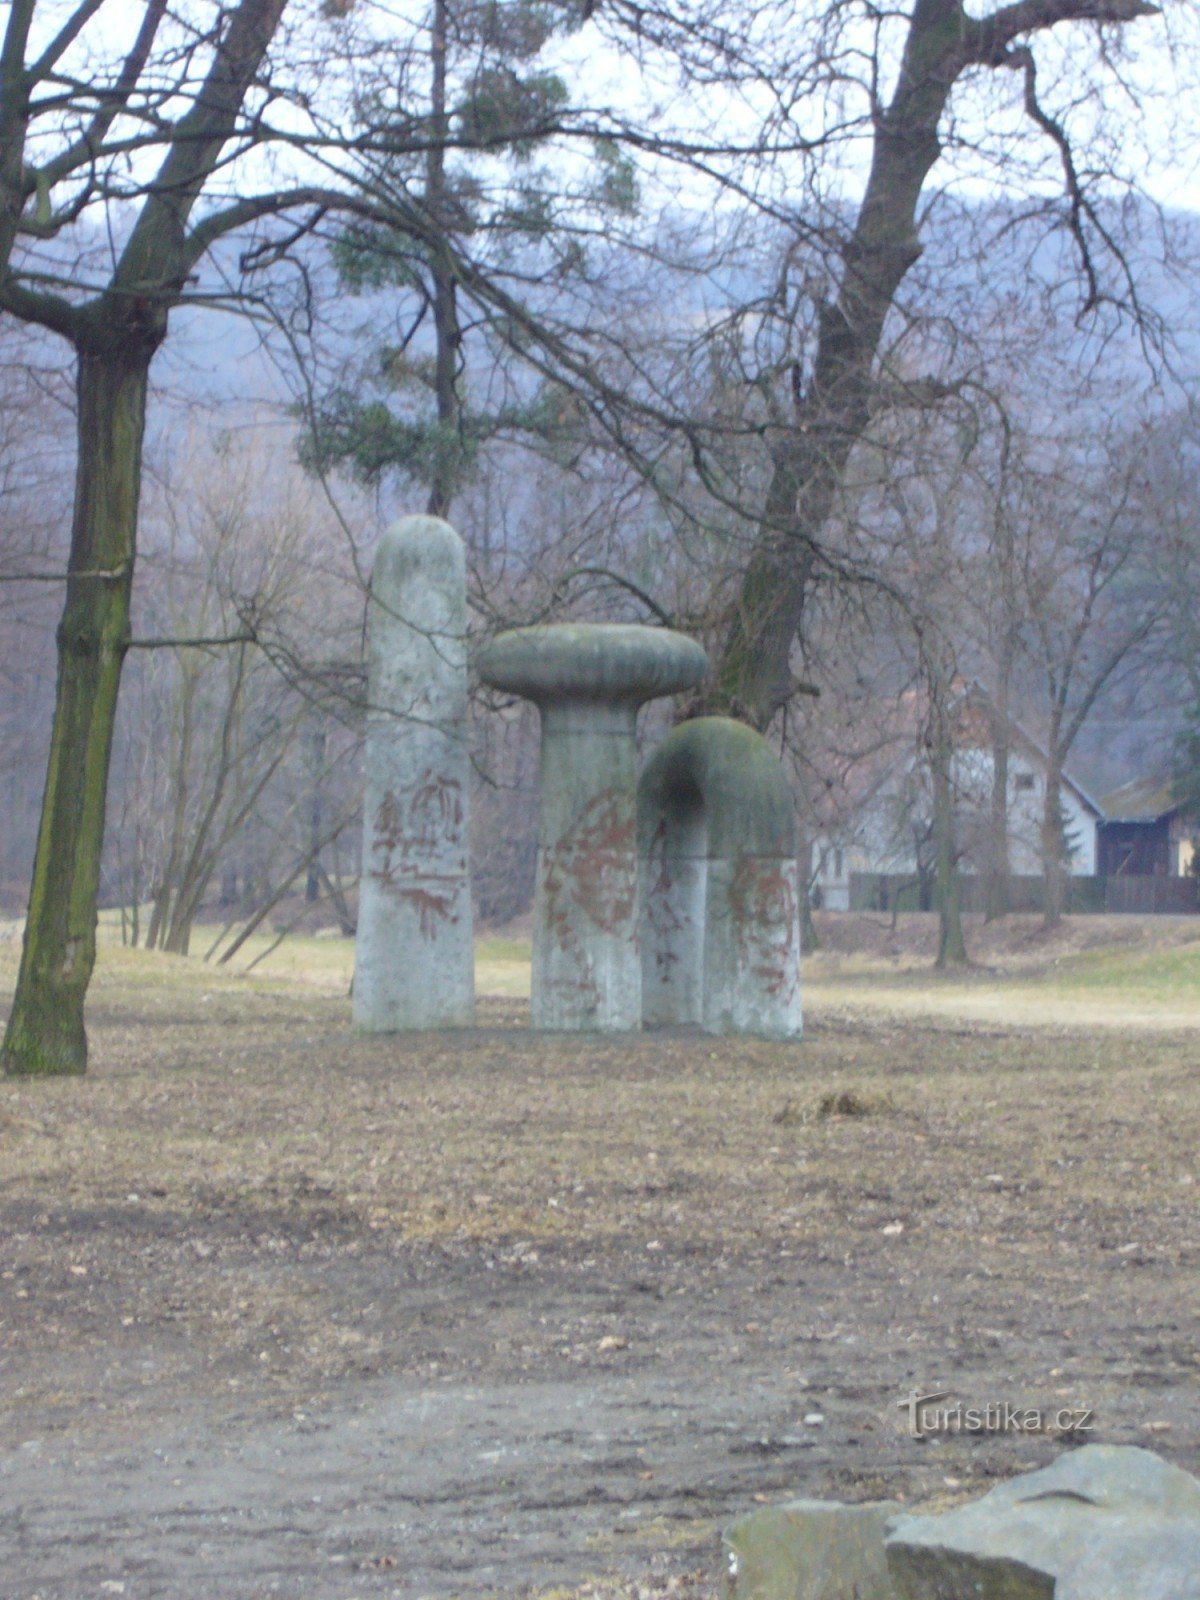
(810, 1550)
(720, 896)
(1107, 1522)
(414, 956)
(588, 681)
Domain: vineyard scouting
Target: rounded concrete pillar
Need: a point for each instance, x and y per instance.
(414, 957)
(720, 893)
(588, 681)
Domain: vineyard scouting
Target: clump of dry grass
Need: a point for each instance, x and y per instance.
(854, 1103)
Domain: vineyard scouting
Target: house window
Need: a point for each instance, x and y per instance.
(1023, 781)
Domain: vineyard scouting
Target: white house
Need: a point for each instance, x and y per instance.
(890, 825)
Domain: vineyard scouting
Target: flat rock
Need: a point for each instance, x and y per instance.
(810, 1550)
(1106, 1522)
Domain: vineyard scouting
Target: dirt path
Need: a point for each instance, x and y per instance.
(527, 1459)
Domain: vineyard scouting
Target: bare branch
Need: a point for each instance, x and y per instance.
(192, 644)
(986, 39)
(114, 100)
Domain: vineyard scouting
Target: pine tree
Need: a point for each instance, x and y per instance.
(492, 107)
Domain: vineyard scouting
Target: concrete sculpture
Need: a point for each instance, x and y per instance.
(588, 681)
(720, 924)
(415, 965)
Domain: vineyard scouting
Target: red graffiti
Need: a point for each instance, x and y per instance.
(431, 908)
(762, 899)
(590, 874)
(593, 867)
(413, 825)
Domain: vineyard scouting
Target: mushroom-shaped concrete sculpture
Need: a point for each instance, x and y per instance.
(588, 681)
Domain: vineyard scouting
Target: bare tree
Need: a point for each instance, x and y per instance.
(57, 158)
(1088, 615)
(838, 286)
(226, 749)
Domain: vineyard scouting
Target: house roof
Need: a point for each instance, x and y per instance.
(976, 694)
(1143, 800)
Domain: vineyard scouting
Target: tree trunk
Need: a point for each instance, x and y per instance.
(810, 939)
(135, 896)
(997, 890)
(952, 947)
(179, 934)
(316, 750)
(448, 334)
(1053, 846)
(1005, 630)
(753, 675)
(332, 884)
(157, 914)
(45, 1029)
(167, 898)
(997, 899)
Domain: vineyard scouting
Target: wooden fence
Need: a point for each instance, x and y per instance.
(882, 891)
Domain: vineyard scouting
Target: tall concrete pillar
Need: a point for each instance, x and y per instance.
(414, 959)
(720, 893)
(588, 681)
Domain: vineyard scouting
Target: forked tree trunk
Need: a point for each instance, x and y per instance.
(45, 1029)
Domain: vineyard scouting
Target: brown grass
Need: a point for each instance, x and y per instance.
(235, 1149)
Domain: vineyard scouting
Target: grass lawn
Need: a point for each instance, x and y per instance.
(1127, 972)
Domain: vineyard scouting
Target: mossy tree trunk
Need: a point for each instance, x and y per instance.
(45, 1030)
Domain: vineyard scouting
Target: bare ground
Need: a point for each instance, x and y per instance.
(287, 1311)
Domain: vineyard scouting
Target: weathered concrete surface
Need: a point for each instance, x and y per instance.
(810, 1550)
(720, 900)
(588, 681)
(414, 959)
(1107, 1522)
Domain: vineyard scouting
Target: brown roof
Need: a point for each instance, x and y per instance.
(1143, 800)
